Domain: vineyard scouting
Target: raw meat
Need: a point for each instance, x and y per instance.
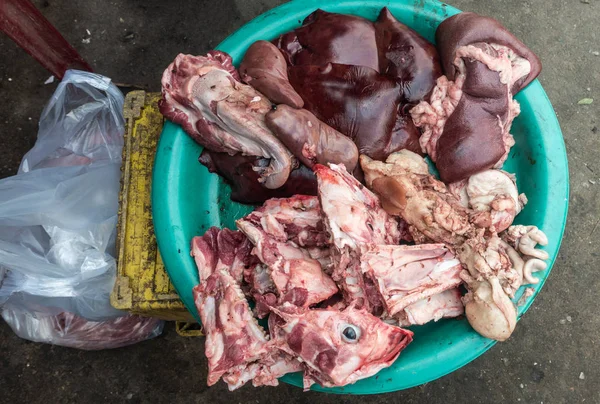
(360, 103)
(70, 330)
(468, 28)
(433, 214)
(526, 257)
(491, 280)
(494, 197)
(231, 250)
(239, 172)
(222, 114)
(386, 46)
(265, 69)
(447, 304)
(233, 337)
(473, 108)
(355, 220)
(353, 215)
(237, 348)
(264, 372)
(398, 163)
(331, 38)
(299, 278)
(285, 232)
(337, 347)
(405, 275)
(310, 140)
(297, 219)
(406, 55)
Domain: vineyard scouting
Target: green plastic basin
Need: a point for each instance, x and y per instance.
(187, 199)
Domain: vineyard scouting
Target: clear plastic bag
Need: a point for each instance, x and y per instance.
(58, 220)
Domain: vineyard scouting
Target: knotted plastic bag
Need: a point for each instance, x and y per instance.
(58, 219)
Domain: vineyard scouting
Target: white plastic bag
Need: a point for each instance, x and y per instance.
(58, 220)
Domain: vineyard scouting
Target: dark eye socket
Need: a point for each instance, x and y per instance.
(349, 333)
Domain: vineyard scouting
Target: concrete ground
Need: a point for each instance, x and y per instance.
(552, 357)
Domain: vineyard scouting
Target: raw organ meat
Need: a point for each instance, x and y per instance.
(331, 38)
(360, 103)
(406, 55)
(386, 46)
(239, 172)
(203, 95)
(265, 69)
(472, 108)
(494, 198)
(310, 140)
(433, 213)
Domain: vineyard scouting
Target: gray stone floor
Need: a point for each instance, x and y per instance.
(553, 357)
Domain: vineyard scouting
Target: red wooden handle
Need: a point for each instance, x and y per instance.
(25, 25)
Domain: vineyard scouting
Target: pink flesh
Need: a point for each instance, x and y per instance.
(433, 308)
(263, 373)
(315, 336)
(297, 219)
(407, 274)
(355, 220)
(221, 249)
(353, 214)
(203, 94)
(233, 338)
(298, 277)
(236, 346)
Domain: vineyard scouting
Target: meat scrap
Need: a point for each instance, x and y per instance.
(355, 220)
(297, 219)
(221, 249)
(203, 94)
(405, 275)
(337, 347)
(233, 337)
(432, 213)
(237, 347)
(284, 233)
(466, 221)
(494, 198)
(447, 304)
(298, 277)
(472, 107)
(526, 255)
(241, 174)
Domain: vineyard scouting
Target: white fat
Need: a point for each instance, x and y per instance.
(483, 187)
(510, 66)
(346, 368)
(445, 265)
